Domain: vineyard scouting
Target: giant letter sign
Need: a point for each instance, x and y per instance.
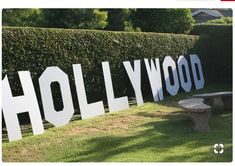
(154, 75)
(12, 106)
(135, 78)
(172, 89)
(28, 102)
(114, 104)
(199, 83)
(186, 85)
(55, 74)
(87, 110)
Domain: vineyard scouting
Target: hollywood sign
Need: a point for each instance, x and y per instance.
(13, 105)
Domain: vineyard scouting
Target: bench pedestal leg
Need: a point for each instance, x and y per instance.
(228, 102)
(200, 120)
(209, 101)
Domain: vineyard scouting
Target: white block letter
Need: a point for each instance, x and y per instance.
(12, 106)
(50, 75)
(199, 83)
(172, 89)
(114, 104)
(87, 110)
(135, 78)
(186, 85)
(154, 75)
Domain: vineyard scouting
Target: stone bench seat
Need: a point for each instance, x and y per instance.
(210, 98)
(198, 112)
(194, 105)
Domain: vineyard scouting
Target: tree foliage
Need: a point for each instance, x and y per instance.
(223, 20)
(148, 20)
(120, 20)
(164, 20)
(75, 18)
(22, 17)
(59, 18)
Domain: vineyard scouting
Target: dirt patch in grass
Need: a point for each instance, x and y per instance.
(81, 130)
(115, 124)
(109, 125)
(28, 153)
(122, 122)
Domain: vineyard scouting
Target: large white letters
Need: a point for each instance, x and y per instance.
(62, 117)
(114, 104)
(199, 83)
(87, 110)
(135, 78)
(154, 75)
(12, 106)
(172, 89)
(186, 85)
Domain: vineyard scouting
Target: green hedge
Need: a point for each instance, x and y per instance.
(34, 49)
(217, 54)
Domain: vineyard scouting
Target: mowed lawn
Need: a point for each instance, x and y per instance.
(153, 132)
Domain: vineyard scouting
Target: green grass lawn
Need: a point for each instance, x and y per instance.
(153, 132)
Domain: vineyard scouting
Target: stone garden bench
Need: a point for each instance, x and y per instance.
(209, 98)
(198, 112)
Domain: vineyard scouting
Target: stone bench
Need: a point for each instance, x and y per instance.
(198, 112)
(210, 98)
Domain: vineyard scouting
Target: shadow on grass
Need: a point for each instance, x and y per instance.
(174, 132)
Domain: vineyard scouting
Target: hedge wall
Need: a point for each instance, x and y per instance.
(34, 49)
(217, 54)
